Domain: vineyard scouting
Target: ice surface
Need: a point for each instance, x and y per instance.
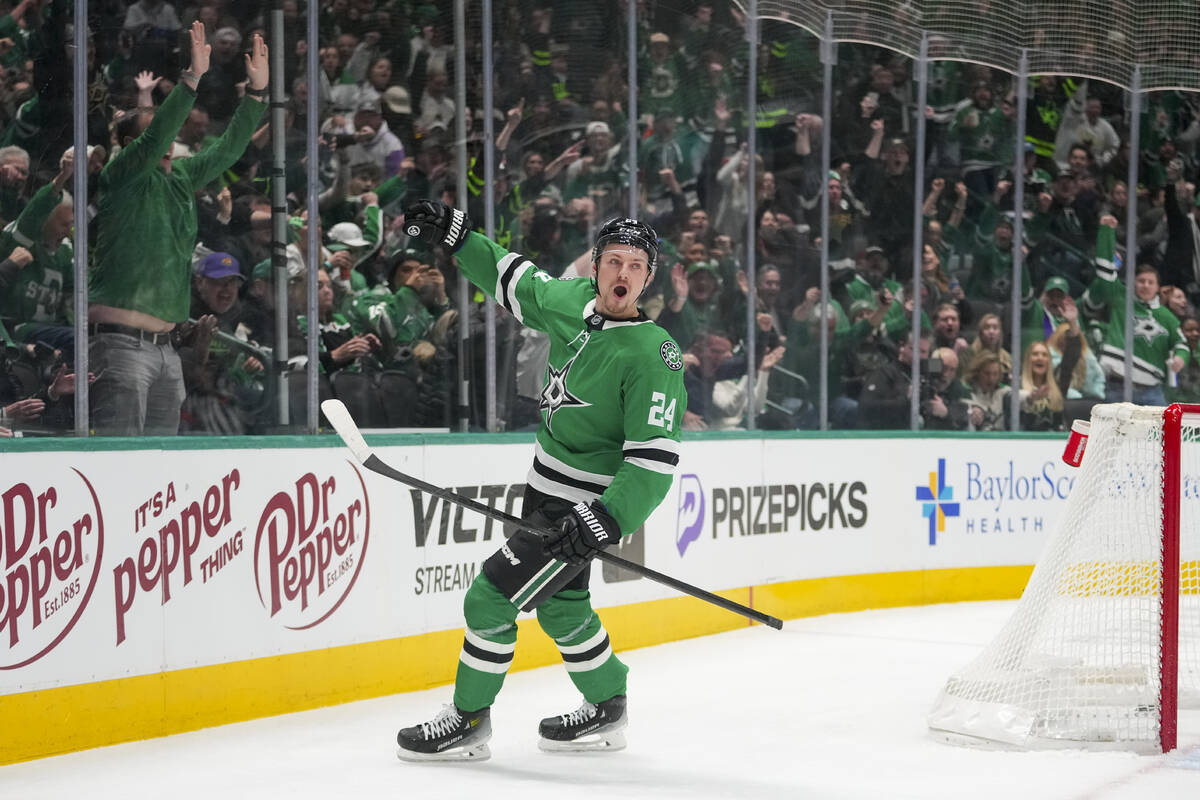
(831, 707)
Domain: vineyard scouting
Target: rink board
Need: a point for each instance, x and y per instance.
(150, 591)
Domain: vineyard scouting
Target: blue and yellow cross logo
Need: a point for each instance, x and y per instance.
(936, 506)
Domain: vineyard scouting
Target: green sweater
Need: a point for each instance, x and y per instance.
(38, 293)
(146, 220)
(614, 400)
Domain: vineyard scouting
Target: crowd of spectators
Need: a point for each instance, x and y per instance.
(387, 321)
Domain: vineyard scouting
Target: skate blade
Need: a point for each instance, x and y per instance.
(472, 752)
(604, 741)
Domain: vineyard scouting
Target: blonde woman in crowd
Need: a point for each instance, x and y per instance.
(1041, 400)
(1086, 379)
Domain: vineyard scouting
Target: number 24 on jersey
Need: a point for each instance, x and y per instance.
(662, 415)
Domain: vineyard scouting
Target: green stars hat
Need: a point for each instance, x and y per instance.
(1057, 282)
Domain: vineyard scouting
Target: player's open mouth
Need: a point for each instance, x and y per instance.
(620, 291)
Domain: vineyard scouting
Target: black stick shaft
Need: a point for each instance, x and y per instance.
(376, 464)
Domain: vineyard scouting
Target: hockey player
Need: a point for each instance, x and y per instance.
(607, 445)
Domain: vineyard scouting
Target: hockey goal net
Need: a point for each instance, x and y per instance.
(1104, 644)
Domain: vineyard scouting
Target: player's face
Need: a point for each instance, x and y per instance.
(621, 274)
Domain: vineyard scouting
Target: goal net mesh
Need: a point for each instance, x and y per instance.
(1078, 663)
(1085, 38)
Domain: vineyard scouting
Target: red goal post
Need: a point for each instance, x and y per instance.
(1099, 646)
(1172, 466)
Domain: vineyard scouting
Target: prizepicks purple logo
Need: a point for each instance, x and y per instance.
(689, 519)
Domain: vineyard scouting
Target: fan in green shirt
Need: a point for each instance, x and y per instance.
(140, 283)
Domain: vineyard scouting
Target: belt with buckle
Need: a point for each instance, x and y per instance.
(128, 330)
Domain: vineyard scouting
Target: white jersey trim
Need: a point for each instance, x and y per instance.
(502, 267)
(566, 469)
(653, 466)
(607, 323)
(514, 305)
(658, 443)
(556, 489)
(657, 455)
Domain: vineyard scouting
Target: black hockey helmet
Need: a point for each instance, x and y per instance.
(631, 232)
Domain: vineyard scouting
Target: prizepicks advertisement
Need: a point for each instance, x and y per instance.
(776, 510)
(125, 563)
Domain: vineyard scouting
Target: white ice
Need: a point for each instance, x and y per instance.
(831, 707)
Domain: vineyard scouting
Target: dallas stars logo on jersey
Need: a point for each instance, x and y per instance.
(671, 355)
(555, 394)
(1149, 328)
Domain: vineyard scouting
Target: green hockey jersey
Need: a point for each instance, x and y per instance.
(42, 290)
(983, 135)
(1156, 334)
(613, 399)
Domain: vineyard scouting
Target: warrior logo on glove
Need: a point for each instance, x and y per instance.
(437, 223)
(590, 520)
(582, 533)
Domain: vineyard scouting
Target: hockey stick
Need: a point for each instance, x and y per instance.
(335, 411)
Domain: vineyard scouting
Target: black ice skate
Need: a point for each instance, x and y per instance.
(453, 735)
(592, 727)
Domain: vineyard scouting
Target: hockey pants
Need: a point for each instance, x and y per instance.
(516, 578)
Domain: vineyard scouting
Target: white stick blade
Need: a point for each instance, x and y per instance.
(339, 417)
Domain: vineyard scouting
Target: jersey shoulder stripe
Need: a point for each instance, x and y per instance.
(657, 455)
(657, 443)
(509, 272)
(653, 460)
(648, 453)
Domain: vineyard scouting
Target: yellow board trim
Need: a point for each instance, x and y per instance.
(69, 718)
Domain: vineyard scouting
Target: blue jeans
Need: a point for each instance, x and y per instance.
(1114, 392)
(139, 386)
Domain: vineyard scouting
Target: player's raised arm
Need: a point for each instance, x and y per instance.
(509, 278)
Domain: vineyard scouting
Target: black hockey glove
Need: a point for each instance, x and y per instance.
(581, 534)
(436, 223)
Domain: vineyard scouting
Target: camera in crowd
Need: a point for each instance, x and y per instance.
(930, 373)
